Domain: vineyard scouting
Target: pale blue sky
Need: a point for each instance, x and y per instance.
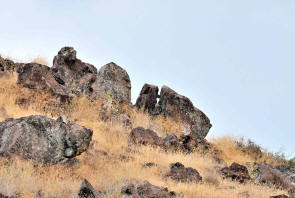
(234, 59)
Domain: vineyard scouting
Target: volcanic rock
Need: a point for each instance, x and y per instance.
(43, 139)
(87, 191)
(143, 136)
(236, 172)
(179, 173)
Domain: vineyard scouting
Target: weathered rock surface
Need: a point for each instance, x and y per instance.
(236, 172)
(266, 174)
(43, 139)
(37, 76)
(171, 143)
(176, 106)
(143, 136)
(146, 190)
(87, 191)
(6, 65)
(147, 99)
(179, 173)
(71, 72)
(114, 81)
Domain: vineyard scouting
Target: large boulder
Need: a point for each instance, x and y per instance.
(146, 190)
(182, 174)
(72, 73)
(87, 191)
(42, 139)
(175, 106)
(147, 99)
(6, 65)
(143, 136)
(37, 76)
(113, 81)
(236, 172)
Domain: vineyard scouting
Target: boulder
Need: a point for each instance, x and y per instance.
(37, 76)
(171, 143)
(42, 139)
(266, 174)
(146, 190)
(69, 71)
(236, 172)
(147, 99)
(113, 81)
(87, 191)
(179, 173)
(180, 107)
(175, 106)
(143, 136)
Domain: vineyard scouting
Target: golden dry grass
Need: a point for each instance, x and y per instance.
(111, 161)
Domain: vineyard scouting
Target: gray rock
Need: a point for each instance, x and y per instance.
(114, 82)
(171, 143)
(43, 139)
(87, 191)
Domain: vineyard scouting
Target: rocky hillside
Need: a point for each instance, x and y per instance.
(70, 130)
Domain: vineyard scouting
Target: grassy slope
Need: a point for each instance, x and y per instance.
(120, 165)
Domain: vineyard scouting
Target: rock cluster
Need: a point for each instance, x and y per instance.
(175, 106)
(43, 139)
(70, 76)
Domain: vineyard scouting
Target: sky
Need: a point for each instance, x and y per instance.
(234, 59)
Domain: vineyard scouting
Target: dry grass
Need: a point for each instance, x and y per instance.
(111, 161)
(40, 60)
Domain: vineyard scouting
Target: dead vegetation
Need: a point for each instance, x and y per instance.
(111, 161)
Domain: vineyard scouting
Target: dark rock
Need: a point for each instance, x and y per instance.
(143, 136)
(175, 106)
(180, 107)
(266, 174)
(43, 139)
(69, 71)
(171, 143)
(37, 76)
(147, 190)
(4, 196)
(113, 81)
(287, 172)
(179, 173)
(236, 172)
(87, 191)
(6, 65)
(279, 196)
(147, 99)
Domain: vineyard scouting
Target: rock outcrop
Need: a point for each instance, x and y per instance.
(6, 65)
(43, 139)
(87, 191)
(269, 175)
(236, 172)
(146, 190)
(143, 136)
(182, 174)
(175, 106)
